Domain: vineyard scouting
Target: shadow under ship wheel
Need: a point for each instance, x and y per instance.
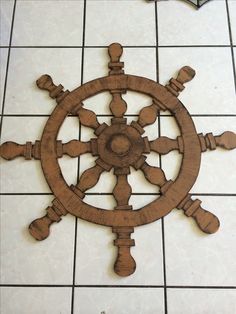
(120, 146)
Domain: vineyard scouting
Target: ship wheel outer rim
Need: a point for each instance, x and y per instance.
(153, 211)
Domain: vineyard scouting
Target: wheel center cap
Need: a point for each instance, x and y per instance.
(120, 144)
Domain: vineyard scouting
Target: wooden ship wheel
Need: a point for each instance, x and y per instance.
(120, 146)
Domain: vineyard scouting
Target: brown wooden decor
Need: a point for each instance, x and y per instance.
(120, 146)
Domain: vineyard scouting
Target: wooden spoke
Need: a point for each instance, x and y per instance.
(115, 51)
(163, 145)
(40, 228)
(154, 175)
(206, 221)
(122, 191)
(89, 178)
(125, 264)
(76, 148)
(176, 86)
(148, 115)
(55, 91)
(11, 150)
(227, 140)
(88, 118)
(118, 106)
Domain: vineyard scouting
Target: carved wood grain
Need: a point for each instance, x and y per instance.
(120, 146)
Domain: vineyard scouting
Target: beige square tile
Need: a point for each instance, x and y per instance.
(212, 89)
(6, 20)
(197, 259)
(62, 23)
(35, 300)
(181, 24)
(25, 260)
(205, 301)
(96, 253)
(127, 22)
(118, 301)
(27, 65)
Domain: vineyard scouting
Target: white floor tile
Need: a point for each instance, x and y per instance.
(195, 258)
(25, 260)
(96, 253)
(205, 301)
(25, 176)
(27, 65)
(192, 258)
(31, 30)
(127, 22)
(35, 300)
(181, 24)
(212, 173)
(3, 58)
(232, 11)
(118, 301)
(217, 172)
(212, 89)
(6, 19)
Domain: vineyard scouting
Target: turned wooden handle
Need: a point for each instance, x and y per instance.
(11, 150)
(206, 221)
(125, 264)
(185, 74)
(45, 82)
(40, 228)
(226, 140)
(115, 51)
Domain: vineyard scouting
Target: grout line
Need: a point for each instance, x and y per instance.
(105, 193)
(78, 167)
(109, 115)
(201, 287)
(231, 42)
(102, 194)
(160, 163)
(194, 46)
(7, 67)
(124, 46)
(115, 286)
(74, 266)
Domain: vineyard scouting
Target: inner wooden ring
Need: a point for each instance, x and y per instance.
(150, 212)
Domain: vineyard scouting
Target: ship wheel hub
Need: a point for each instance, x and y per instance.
(120, 145)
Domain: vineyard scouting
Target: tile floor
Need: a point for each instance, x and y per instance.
(180, 270)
